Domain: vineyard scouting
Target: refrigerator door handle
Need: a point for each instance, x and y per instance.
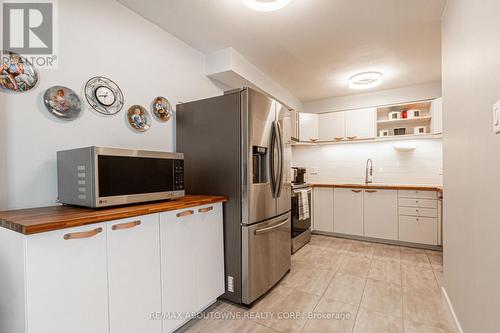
(280, 159)
(272, 159)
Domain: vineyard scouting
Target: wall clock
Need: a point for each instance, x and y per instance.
(103, 95)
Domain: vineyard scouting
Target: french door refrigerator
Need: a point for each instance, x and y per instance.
(238, 145)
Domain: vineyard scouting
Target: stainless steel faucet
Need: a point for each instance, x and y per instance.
(369, 171)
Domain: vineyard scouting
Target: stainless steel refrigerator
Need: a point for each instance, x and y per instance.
(238, 145)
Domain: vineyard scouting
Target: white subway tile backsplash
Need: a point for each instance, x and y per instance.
(345, 163)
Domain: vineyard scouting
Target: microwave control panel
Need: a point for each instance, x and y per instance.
(179, 175)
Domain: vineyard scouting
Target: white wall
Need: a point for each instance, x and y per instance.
(235, 71)
(377, 98)
(471, 84)
(96, 37)
(345, 163)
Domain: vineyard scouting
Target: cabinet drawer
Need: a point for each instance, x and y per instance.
(422, 230)
(418, 202)
(418, 194)
(426, 212)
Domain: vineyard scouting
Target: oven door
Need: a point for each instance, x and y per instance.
(130, 176)
(300, 226)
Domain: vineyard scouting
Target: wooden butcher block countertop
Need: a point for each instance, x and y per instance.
(37, 220)
(383, 186)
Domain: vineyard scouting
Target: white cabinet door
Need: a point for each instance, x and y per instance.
(361, 124)
(66, 281)
(134, 274)
(308, 125)
(295, 125)
(381, 214)
(437, 116)
(332, 126)
(421, 230)
(209, 242)
(348, 211)
(323, 209)
(178, 266)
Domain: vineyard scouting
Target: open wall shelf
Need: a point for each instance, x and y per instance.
(387, 126)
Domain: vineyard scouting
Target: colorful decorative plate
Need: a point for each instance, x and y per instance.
(62, 102)
(161, 108)
(104, 96)
(138, 118)
(16, 73)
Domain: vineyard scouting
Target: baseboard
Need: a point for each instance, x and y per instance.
(453, 316)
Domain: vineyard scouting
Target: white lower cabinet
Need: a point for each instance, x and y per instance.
(116, 276)
(348, 211)
(422, 230)
(323, 209)
(66, 281)
(178, 249)
(381, 214)
(134, 274)
(209, 261)
(192, 261)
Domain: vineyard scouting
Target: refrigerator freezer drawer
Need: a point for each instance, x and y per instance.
(266, 256)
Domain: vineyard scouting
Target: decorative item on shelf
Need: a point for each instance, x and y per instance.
(414, 113)
(419, 130)
(104, 96)
(404, 114)
(62, 102)
(161, 108)
(383, 133)
(400, 131)
(138, 118)
(394, 115)
(16, 73)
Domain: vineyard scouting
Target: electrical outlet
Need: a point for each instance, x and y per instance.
(313, 171)
(496, 117)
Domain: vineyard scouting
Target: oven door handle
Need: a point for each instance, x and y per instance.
(264, 230)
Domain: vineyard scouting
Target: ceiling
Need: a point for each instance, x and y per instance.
(312, 47)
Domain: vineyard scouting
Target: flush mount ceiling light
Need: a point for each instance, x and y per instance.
(266, 5)
(365, 80)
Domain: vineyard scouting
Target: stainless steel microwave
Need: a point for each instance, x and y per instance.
(99, 177)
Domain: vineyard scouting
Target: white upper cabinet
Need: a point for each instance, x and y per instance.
(66, 281)
(361, 124)
(437, 116)
(381, 214)
(308, 127)
(295, 125)
(332, 126)
(134, 274)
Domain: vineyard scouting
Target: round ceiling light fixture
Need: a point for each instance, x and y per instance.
(266, 5)
(366, 80)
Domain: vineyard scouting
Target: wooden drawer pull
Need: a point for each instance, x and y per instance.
(313, 140)
(206, 209)
(127, 225)
(185, 213)
(371, 191)
(356, 191)
(339, 138)
(84, 234)
(352, 137)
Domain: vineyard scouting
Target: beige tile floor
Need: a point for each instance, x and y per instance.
(355, 286)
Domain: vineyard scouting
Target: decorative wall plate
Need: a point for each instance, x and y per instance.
(103, 95)
(161, 108)
(62, 102)
(138, 118)
(16, 73)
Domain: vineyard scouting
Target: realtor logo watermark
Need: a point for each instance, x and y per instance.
(28, 28)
